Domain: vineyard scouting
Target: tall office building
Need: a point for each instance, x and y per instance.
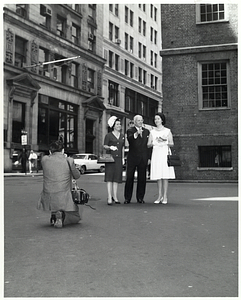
(132, 79)
(68, 67)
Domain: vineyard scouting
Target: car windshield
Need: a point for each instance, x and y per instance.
(80, 156)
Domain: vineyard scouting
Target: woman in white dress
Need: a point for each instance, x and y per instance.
(161, 140)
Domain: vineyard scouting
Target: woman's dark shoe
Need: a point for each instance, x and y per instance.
(116, 202)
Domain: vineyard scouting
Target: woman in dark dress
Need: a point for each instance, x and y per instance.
(114, 144)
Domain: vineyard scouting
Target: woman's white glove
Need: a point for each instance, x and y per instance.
(113, 148)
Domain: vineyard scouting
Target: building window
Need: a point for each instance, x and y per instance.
(110, 31)
(91, 80)
(131, 18)
(20, 51)
(43, 57)
(144, 77)
(45, 16)
(111, 7)
(151, 10)
(91, 39)
(155, 60)
(55, 118)
(142, 105)
(116, 33)
(155, 37)
(140, 74)
(76, 7)
(21, 9)
(213, 85)
(131, 44)
(117, 58)
(74, 75)
(113, 93)
(117, 10)
(131, 70)
(151, 34)
(144, 7)
(152, 81)
(126, 67)
(144, 28)
(212, 12)
(60, 70)
(151, 58)
(139, 24)
(75, 33)
(152, 109)
(139, 49)
(126, 41)
(126, 14)
(111, 59)
(156, 80)
(215, 156)
(155, 13)
(61, 26)
(92, 12)
(144, 52)
(129, 100)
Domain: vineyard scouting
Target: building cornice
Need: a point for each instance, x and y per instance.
(198, 49)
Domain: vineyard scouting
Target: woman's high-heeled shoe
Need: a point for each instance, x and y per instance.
(109, 203)
(164, 201)
(116, 202)
(158, 201)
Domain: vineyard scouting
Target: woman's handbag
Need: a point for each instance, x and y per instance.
(173, 160)
(105, 158)
(80, 196)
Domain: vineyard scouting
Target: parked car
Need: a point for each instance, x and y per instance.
(87, 162)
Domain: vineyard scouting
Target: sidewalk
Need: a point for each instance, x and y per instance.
(40, 173)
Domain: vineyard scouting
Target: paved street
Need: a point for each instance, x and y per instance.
(188, 248)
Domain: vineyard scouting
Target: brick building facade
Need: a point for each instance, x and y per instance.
(200, 91)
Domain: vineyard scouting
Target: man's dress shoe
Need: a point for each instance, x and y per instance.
(140, 201)
(127, 202)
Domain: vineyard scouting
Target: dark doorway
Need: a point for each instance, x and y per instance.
(89, 136)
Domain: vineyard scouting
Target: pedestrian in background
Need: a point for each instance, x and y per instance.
(114, 145)
(32, 160)
(137, 159)
(161, 140)
(57, 183)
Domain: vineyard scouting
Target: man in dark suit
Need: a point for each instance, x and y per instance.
(137, 159)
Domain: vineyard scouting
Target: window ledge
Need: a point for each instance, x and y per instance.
(215, 169)
(215, 108)
(212, 22)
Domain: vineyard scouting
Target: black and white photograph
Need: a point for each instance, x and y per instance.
(120, 150)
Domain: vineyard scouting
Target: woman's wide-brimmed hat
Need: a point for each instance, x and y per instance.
(112, 120)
